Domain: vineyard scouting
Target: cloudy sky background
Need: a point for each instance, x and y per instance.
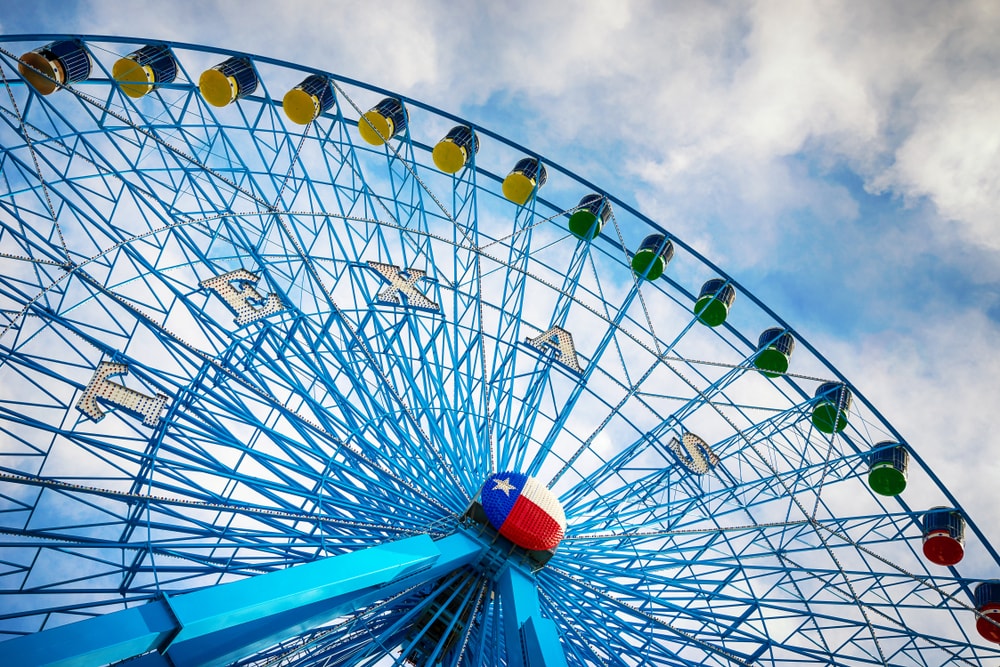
(840, 159)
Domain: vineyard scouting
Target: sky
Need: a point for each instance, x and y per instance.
(840, 159)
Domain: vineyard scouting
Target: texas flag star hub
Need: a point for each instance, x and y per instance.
(523, 510)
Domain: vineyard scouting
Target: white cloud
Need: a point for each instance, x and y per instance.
(939, 390)
(902, 97)
(953, 157)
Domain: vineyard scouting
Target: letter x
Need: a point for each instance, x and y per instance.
(398, 285)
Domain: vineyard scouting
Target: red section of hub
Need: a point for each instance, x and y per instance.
(530, 526)
(523, 510)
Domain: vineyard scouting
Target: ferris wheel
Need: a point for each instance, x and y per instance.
(297, 371)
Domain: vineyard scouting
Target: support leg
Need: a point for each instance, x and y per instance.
(532, 639)
(217, 625)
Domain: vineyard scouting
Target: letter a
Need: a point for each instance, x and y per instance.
(248, 304)
(562, 342)
(695, 455)
(100, 387)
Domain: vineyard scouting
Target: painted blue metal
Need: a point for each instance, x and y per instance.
(96, 641)
(224, 623)
(340, 423)
(532, 640)
(219, 624)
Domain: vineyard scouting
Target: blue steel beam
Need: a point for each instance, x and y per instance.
(532, 640)
(219, 624)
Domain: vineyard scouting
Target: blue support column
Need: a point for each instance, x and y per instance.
(96, 641)
(532, 640)
(217, 625)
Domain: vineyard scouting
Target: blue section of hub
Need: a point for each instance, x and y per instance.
(499, 494)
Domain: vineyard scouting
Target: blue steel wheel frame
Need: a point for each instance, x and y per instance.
(234, 349)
